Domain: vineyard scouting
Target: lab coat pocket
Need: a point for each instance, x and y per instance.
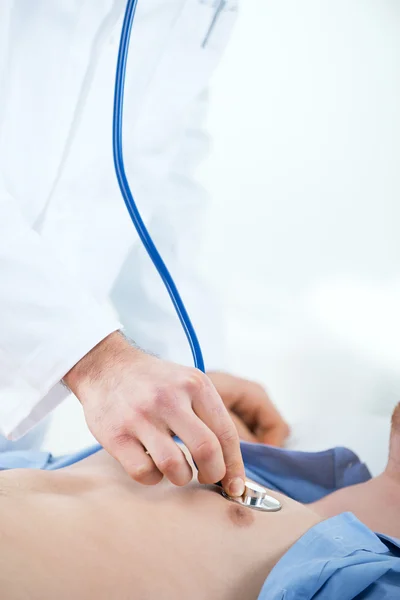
(194, 46)
(222, 14)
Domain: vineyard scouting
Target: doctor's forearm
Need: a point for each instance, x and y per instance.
(97, 363)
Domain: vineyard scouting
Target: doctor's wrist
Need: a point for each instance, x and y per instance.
(97, 363)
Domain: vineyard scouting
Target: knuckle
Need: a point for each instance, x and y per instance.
(234, 464)
(229, 437)
(195, 382)
(131, 421)
(161, 401)
(141, 412)
(121, 438)
(219, 409)
(169, 464)
(205, 451)
(164, 401)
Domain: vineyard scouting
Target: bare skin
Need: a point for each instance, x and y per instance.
(376, 502)
(89, 531)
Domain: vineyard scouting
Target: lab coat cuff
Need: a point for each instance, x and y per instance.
(18, 423)
(39, 389)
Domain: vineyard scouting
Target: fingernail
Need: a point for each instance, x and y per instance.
(236, 487)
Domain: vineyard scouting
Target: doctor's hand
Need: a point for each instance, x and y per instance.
(134, 402)
(255, 416)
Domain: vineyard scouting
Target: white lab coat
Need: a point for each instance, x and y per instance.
(64, 230)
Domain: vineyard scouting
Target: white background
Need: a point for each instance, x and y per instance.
(303, 233)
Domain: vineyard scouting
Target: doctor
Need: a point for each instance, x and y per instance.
(66, 239)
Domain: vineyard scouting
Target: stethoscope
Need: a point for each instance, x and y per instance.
(134, 213)
(255, 496)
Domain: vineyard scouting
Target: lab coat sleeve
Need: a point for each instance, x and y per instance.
(178, 227)
(48, 323)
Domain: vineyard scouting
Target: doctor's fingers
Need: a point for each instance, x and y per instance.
(269, 425)
(134, 459)
(210, 408)
(254, 407)
(244, 432)
(276, 436)
(165, 453)
(202, 444)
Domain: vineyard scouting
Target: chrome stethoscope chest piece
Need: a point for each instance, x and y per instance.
(255, 497)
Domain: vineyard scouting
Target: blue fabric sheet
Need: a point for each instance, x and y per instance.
(338, 559)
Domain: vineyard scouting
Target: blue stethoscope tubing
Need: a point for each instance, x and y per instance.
(127, 194)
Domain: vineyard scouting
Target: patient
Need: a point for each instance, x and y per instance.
(88, 532)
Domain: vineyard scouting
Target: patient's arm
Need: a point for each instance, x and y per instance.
(376, 502)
